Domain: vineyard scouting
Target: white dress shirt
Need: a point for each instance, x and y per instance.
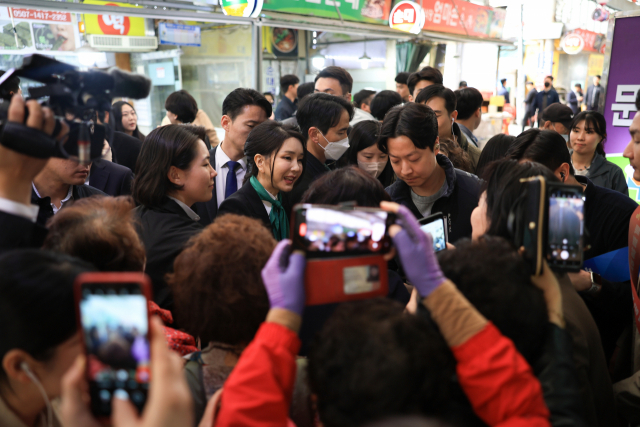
(222, 169)
(29, 212)
(62, 202)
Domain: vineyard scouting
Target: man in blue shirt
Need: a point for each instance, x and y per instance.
(289, 89)
(502, 91)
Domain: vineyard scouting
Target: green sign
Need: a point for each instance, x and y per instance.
(373, 11)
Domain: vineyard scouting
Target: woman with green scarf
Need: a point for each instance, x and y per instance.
(275, 158)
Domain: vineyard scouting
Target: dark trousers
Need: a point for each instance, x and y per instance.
(528, 115)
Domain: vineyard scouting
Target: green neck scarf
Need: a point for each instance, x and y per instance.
(277, 216)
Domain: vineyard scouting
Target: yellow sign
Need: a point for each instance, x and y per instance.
(117, 24)
(596, 64)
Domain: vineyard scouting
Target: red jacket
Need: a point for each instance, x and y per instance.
(496, 378)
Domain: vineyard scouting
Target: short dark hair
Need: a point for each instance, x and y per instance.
(241, 97)
(462, 84)
(166, 146)
(363, 97)
(578, 85)
(598, 76)
(348, 184)
(595, 120)
(427, 73)
(383, 102)
(99, 230)
(322, 111)
(546, 147)
(504, 189)
(493, 150)
(267, 139)
(549, 77)
(530, 83)
(368, 348)
(415, 121)
(305, 89)
(439, 91)
(340, 74)
(496, 280)
(503, 81)
(468, 100)
(37, 309)
(220, 268)
(402, 77)
(183, 105)
(286, 81)
(11, 85)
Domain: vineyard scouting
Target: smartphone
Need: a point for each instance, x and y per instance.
(435, 225)
(324, 231)
(565, 227)
(114, 321)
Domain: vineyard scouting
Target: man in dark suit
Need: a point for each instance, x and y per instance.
(113, 179)
(592, 98)
(574, 98)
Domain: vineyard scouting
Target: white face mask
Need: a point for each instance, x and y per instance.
(373, 168)
(335, 150)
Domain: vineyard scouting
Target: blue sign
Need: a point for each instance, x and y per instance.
(179, 35)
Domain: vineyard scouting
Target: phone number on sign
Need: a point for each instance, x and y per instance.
(41, 15)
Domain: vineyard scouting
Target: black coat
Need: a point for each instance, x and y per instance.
(126, 149)
(592, 98)
(46, 211)
(207, 211)
(164, 231)
(20, 233)
(246, 202)
(112, 178)
(460, 199)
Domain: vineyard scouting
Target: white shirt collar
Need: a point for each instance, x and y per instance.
(194, 216)
(62, 202)
(222, 158)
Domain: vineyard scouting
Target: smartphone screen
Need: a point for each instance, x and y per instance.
(115, 326)
(565, 227)
(325, 231)
(436, 229)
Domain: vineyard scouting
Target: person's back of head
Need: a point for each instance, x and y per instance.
(363, 97)
(239, 98)
(429, 74)
(402, 77)
(504, 189)
(10, 87)
(383, 102)
(164, 147)
(415, 121)
(496, 280)
(462, 84)
(37, 314)
(348, 184)
(459, 158)
(341, 75)
(439, 91)
(182, 106)
(221, 269)
(321, 111)
(494, 149)
(546, 147)
(286, 81)
(373, 361)
(99, 230)
(305, 89)
(468, 101)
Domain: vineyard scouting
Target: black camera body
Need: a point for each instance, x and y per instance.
(547, 223)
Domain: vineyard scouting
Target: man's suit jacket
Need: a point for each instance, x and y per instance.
(113, 179)
(593, 94)
(125, 149)
(207, 211)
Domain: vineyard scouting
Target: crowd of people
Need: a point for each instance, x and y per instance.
(467, 337)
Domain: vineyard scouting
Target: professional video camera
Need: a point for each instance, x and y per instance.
(67, 89)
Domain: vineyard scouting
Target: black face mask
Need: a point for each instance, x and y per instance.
(547, 84)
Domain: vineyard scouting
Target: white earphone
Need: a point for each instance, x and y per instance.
(25, 367)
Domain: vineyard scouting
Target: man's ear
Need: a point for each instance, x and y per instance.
(436, 146)
(225, 122)
(176, 175)
(454, 115)
(314, 135)
(347, 96)
(547, 125)
(478, 112)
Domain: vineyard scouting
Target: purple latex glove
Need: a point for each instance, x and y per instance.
(416, 254)
(283, 276)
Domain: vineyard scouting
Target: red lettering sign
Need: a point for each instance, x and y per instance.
(461, 17)
(40, 15)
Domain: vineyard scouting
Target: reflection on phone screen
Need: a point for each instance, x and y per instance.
(351, 231)
(565, 227)
(436, 230)
(115, 327)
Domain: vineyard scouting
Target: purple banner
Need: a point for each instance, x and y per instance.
(623, 83)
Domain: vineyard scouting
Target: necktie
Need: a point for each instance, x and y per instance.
(232, 182)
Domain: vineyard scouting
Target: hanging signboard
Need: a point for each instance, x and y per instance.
(179, 35)
(116, 24)
(462, 17)
(372, 11)
(407, 16)
(247, 8)
(593, 42)
(572, 43)
(38, 30)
